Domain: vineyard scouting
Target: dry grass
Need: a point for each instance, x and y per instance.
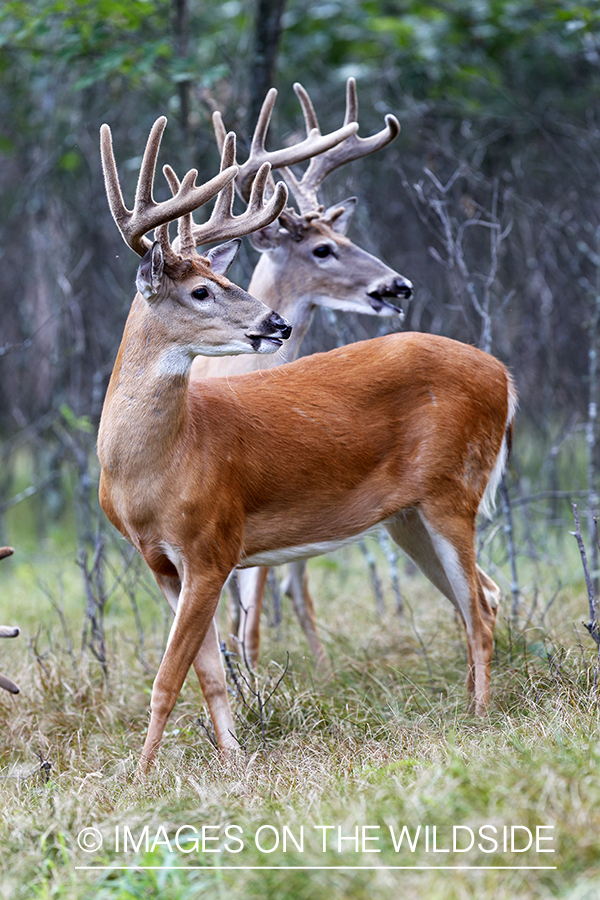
(382, 741)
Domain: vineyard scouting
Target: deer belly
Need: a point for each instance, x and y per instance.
(282, 555)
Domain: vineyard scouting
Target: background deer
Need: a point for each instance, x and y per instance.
(410, 431)
(8, 632)
(306, 261)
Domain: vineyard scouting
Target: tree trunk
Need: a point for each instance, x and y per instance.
(181, 48)
(267, 32)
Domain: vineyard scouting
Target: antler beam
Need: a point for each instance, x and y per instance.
(146, 213)
(305, 190)
(223, 225)
(314, 143)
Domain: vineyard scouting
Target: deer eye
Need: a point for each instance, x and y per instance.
(200, 294)
(322, 251)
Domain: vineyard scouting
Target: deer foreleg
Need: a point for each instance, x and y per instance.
(208, 665)
(193, 621)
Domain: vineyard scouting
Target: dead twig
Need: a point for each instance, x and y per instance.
(375, 582)
(259, 702)
(512, 554)
(592, 626)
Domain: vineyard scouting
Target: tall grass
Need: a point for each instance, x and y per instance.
(381, 741)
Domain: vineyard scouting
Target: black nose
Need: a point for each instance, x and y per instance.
(402, 288)
(275, 322)
(397, 287)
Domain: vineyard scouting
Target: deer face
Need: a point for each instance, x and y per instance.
(317, 260)
(201, 312)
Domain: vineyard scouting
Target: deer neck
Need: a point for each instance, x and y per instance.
(145, 412)
(281, 289)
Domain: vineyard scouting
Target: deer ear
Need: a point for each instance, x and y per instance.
(339, 216)
(222, 256)
(150, 272)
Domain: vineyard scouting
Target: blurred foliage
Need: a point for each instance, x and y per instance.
(475, 57)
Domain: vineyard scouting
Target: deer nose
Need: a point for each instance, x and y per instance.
(275, 322)
(402, 287)
(397, 287)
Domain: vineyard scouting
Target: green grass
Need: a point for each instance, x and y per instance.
(383, 741)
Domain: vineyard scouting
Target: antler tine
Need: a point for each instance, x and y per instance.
(262, 126)
(351, 101)
(146, 213)
(310, 116)
(255, 204)
(223, 225)
(184, 242)
(306, 189)
(143, 191)
(223, 209)
(220, 135)
(119, 211)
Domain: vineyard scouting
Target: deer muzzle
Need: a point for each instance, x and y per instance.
(270, 334)
(384, 292)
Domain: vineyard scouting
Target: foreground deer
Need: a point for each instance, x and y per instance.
(410, 431)
(8, 632)
(306, 261)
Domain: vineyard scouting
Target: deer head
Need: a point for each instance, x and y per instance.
(191, 305)
(306, 250)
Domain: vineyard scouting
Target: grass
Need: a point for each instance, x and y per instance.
(380, 743)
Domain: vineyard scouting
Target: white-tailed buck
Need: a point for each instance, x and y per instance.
(306, 261)
(8, 632)
(410, 431)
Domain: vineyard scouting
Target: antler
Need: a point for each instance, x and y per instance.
(146, 213)
(306, 189)
(314, 142)
(7, 632)
(223, 225)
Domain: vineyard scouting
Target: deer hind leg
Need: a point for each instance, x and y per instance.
(208, 665)
(233, 606)
(296, 587)
(491, 591)
(251, 585)
(446, 555)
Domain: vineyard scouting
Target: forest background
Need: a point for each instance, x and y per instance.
(498, 101)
